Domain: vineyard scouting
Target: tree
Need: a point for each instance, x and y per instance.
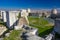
(19, 15)
(43, 14)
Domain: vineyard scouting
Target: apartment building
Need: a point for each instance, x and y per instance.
(12, 18)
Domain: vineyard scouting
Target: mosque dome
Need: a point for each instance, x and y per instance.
(54, 11)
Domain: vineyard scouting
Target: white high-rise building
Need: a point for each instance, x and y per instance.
(12, 17)
(0, 15)
(3, 14)
(25, 13)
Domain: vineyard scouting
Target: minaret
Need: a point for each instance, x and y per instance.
(56, 18)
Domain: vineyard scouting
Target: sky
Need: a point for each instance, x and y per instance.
(37, 4)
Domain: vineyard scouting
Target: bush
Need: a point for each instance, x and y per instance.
(19, 16)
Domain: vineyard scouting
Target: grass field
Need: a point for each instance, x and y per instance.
(44, 27)
(14, 35)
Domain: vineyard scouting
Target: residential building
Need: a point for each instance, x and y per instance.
(3, 14)
(12, 18)
(0, 15)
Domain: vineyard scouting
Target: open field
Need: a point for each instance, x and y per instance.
(44, 27)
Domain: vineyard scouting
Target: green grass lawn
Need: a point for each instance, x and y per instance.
(44, 27)
(15, 35)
